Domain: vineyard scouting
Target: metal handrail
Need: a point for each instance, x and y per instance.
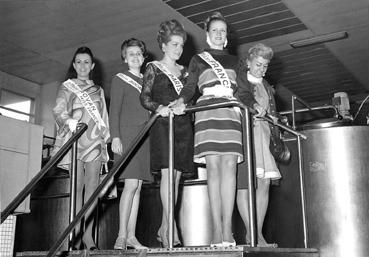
(82, 127)
(247, 129)
(117, 165)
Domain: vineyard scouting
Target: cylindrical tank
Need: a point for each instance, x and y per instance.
(194, 214)
(336, 168)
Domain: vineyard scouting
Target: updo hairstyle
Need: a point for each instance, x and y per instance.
(132, 42)
(170, 28)
(215, 16)
(260, 49)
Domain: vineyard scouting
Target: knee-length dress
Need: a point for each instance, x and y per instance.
(127, 117)
(158, 90)
(251, 92)
(217, 131)
(91, 145)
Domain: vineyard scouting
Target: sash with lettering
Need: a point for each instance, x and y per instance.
(86, 101)
(177, 84)
(130, 81)
(217, 68)
(219, 72)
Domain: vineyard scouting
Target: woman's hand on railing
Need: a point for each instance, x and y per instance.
(163, 111)
(72, 124)
(177, 106)
(274, 119)
(116, 146)
(260, 111)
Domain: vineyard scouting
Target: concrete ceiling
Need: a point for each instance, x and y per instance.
(39, 37)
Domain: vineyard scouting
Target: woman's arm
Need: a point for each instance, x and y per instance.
(116, 102)
(189, 88)
(146, 93)
(62, 110)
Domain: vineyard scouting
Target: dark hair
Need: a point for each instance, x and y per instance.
(215, 16)
(71, 74)
(132, 42)
(170, 28)
(260, 49)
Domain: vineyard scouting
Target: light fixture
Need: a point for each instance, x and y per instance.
(319, 39)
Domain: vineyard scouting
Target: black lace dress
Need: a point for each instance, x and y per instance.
(158, 90)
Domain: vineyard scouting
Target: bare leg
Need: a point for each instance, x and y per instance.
(79, 201)
(164, 193)
(228, 193)
(131, 229)
(243, 209)
(262, 199)
(213, 173)
(91, 181)
(125, 205)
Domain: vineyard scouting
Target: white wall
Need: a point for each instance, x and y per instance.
(44, 96)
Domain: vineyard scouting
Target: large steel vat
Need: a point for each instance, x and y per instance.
(336, 170)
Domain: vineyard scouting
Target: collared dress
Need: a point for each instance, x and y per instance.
(92, 144)
(158, 90)
(217, 131)
(261, 93)
(127, 118)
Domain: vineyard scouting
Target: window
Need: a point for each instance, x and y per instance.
(16, 106)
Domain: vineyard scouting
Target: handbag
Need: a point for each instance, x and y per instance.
(110, 190)
(278, 147)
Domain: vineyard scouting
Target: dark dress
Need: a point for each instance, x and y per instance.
(127, 118)
(158, 90)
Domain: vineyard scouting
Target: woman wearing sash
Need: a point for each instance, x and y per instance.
(218, 136)
(127, 118)
(163, 82)
(79, 100)
(255, 92)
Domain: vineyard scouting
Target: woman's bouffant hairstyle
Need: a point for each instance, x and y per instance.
(71, 74)
(170, 28)
(132, 42)
(262, 50)
(215, 16)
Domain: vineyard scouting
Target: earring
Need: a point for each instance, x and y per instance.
(225, 43)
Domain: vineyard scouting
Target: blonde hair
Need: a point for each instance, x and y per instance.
(262, 50)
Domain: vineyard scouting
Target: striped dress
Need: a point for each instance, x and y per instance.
(217, 131)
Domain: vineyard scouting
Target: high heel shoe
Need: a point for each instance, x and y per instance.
(133, 243)
(162, 238)
(229, 244)
(216, 244)
(89, 244)
(120, 243)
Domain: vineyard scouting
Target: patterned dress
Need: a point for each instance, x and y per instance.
(92, 144)
(158, 90)
(127, 118)
(217, 131)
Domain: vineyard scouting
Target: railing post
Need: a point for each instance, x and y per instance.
(171, 182)
(248, 142)
(72, 191)
(302, 191)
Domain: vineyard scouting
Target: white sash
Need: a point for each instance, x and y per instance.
(221, 74)
(86, 101)
(175, 81)
(130, 81)
(217, 68)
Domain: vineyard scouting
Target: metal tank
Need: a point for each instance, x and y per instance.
(336, 171)
(195, 221)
